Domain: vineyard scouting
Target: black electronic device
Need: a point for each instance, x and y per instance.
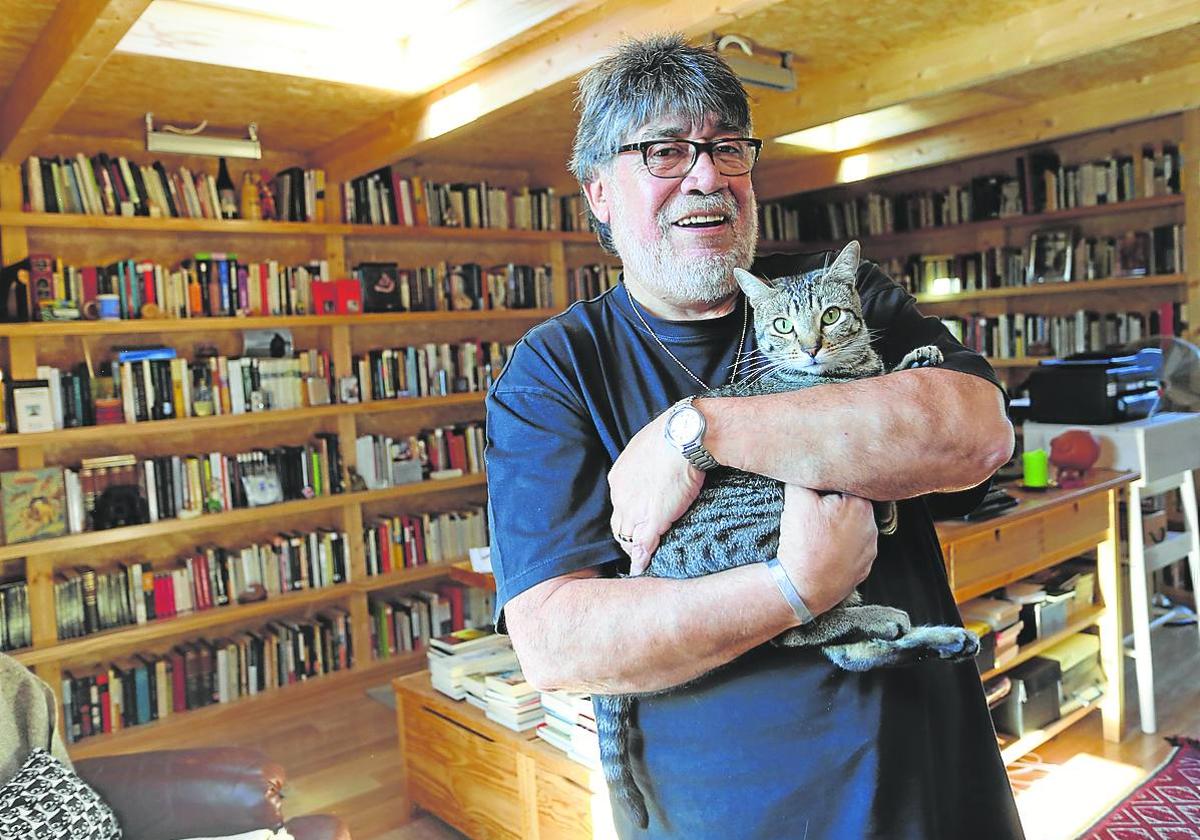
(1095, 388)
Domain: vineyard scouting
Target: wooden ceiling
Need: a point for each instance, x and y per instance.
(950, 65)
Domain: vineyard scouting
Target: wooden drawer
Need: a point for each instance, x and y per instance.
(564, 809)
(990, 554)
(1067, 527)
(461, 775)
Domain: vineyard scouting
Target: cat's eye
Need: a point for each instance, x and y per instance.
(831, 316)
(782, 326)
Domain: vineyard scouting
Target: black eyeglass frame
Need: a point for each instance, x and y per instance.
(698, 146)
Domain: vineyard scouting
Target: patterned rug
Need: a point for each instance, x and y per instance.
(1164, 807)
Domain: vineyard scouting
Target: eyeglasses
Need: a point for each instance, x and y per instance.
(675, 158)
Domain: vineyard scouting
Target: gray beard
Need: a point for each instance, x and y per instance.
(705, 280)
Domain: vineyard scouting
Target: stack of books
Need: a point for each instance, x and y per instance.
(570, 725)
(463, 653)
(511, 701)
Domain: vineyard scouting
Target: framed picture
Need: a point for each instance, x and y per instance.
(1050, 256)
(348, 389)
(31, 406)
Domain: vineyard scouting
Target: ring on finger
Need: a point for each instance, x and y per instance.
(627, 538)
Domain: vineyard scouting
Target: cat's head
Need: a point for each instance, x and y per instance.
(812, 323)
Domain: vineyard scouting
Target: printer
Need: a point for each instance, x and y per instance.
(1095, 388)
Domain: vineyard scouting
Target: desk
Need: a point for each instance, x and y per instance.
(491, 782)
(1044, 529)
(487, 780)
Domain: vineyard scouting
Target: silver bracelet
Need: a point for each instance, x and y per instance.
(788, 590)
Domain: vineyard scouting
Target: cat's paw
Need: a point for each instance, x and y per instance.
(947, 642)
(927, 356)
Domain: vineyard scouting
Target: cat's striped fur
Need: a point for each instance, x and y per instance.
(810, 331)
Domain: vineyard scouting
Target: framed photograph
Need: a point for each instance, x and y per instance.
(348, 389)
(1050, 256)
(31, 406)
(1133, 254)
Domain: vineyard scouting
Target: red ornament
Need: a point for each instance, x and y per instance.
(1073, 453)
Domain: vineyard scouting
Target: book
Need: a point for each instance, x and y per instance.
(34, 504)
(468, 639)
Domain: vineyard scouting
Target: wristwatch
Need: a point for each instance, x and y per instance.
(685, 431)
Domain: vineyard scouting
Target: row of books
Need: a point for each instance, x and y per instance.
(430, 369)
(464, 653)
(143, 688)
(1052, 256)
(1015, 335)
(1041, 183)
(104, 185)
(442, 452)
(212, 576)
(589, 281)
(453, 287)
(16, 627)
(406, 622)
(403, 541)
(114, 491)
(207, 284)
(385, 197)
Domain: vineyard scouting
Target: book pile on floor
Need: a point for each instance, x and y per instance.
(570, 725)
(459, 655)
(511, 701)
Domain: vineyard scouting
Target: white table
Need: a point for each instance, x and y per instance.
(1165, 450)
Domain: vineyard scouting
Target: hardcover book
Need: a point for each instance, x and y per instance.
(34, 504)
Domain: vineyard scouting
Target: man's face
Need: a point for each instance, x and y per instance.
(653, 220)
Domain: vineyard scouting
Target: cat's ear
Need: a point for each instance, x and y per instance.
(756, 289)
(846, 263)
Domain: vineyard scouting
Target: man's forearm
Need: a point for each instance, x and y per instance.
(928, 430)
(634, 635)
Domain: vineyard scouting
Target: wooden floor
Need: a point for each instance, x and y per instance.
(339, 748)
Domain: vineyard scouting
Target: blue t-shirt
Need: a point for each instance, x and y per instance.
(778, 743)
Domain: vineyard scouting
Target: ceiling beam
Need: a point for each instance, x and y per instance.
(74, 43)
(1045, 36)
(539, 65)
(1152, 95)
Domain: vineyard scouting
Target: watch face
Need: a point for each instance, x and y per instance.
(685, 426)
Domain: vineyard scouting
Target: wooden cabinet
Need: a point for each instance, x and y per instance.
(488, 781)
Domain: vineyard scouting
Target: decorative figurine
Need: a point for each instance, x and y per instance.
(1073, 453)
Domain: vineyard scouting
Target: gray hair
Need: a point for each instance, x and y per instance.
(643, 80)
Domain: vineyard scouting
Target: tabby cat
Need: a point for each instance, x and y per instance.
(810, 331)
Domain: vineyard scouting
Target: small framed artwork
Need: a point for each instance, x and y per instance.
(31, 406)
(348, 389)
(1050, 256)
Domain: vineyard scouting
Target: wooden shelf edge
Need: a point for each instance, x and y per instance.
(1107, 284)
(1031, 741)
(131, 636)
(195, 425)
(159, 732)
(401, 577)
(1085, 620)
(42, 329)
(242, 227)
(1021, 220)
(240, 516)
(464, 574)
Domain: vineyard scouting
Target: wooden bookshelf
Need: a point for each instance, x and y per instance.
(1078, 623)
(421, 491)
(1081, 289)
(237, 227)
(205, 425)
(23, 346)
(916, 239)
(1011, 750)
(158, 734)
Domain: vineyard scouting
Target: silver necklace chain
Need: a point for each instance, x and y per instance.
(736, 361)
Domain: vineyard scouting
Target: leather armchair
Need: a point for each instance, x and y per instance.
(172, 794)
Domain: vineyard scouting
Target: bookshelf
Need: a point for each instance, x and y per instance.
(91, 239)
(917, 199)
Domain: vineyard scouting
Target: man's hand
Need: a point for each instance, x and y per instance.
(827, 544)
(651, 485)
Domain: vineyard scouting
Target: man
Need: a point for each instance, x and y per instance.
(772, 743)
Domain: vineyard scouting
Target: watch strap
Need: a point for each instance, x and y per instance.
(695, 452)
